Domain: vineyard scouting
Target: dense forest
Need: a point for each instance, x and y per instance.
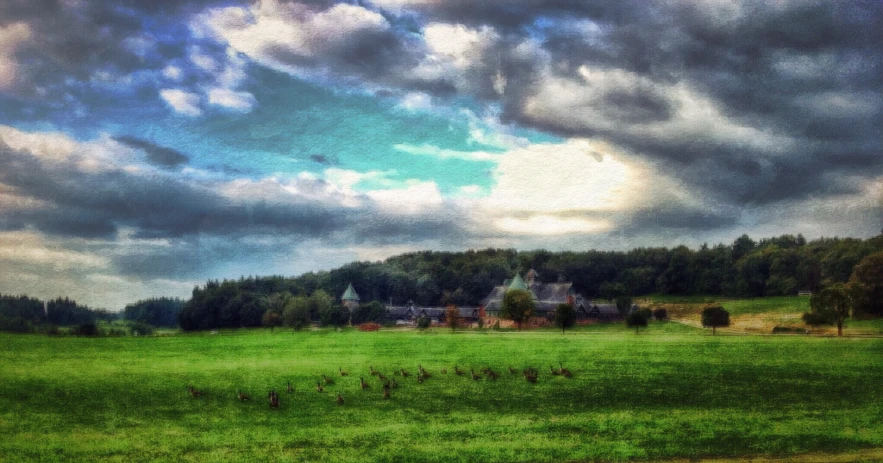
(776, 266)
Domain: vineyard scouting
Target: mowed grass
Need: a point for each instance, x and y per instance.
(668, 393)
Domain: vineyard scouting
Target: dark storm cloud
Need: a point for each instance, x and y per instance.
(74, 202)
(156, 154)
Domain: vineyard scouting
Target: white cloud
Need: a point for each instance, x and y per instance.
(440, 153)
(12, 37)
(237, 101)
(183, 102)
(173, 73)
(416, 101)
(33, 249)
(551, 225)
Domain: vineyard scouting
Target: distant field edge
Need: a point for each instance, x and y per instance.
(863, 456)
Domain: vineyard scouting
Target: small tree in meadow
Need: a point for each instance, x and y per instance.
(565, 316)
(830, 306)
(423, 322)
(517, 306)
(271, 319)
(636, 320)
(623, 305)
(714, 316)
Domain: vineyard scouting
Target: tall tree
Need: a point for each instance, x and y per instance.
(867, 283)
(831, 306)
(517, 306)
(565, 316)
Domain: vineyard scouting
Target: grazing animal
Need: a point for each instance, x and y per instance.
(474, 376)
(372, 371)
(339, 399)
(458, 371)
(530, 374)
(274, 399)
(486, 370)
(194, 393)
(342, 373)
(362, 383)
(394, 384)
(382, 377)
(419, 377)
(554, 371)
(327, 380)
(404, 373)
(319, 387)
(492, 374)
(512, 371)
(423, 371)
(242, 397)
(289, 389)
(564, 371)
(385, 392)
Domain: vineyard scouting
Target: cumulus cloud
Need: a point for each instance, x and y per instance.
(182, 102)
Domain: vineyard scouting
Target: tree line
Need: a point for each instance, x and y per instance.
(745, 268)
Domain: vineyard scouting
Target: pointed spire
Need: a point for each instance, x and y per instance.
(350, 294)
(517, 283)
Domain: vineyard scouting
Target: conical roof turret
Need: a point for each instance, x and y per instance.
(350, 294)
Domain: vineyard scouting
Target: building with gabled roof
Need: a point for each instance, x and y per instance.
(546, 296)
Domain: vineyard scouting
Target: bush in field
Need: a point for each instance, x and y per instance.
(85, 329)
(370, 312)
(660, 314)
(565, 316)
(646, 313)
(334, 315)
(714, 316)
(423, 322)
(636, 320)
(140, 328)
(271, 319)
(623, 305)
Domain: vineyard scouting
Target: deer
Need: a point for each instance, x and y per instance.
(242, 397)
(363, 384)
(194, 393)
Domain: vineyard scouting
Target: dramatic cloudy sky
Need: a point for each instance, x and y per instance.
(146, 146)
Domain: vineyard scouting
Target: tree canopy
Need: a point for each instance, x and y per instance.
(714, 316)
(518, 306)
(830, 306)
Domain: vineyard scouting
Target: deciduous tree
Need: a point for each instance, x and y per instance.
(517, 306)
(714, 316)
(831, 306)
(565, 316)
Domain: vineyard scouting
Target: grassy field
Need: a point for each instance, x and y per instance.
(759, 315)
(672, 392)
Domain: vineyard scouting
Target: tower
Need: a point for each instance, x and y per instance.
(350, 298)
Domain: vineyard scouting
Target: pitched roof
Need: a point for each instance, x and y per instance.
(350, 294)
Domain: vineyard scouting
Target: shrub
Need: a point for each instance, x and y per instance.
(636, 320)
(370, 326)
(86, 329)
(660, 314)
(140, 328)
(16, 325)
(423, 323)
(788, 329)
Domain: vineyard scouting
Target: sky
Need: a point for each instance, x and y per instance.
(147, 146)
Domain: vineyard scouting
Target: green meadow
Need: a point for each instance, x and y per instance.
(670, 393)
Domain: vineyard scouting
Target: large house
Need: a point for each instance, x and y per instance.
(547, 297)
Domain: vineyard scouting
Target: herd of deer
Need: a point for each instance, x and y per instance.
(530, 374)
